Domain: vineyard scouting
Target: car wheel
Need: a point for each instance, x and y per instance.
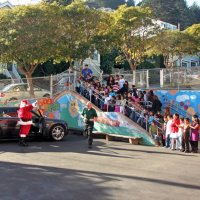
(13, 99)
(57, 132)
(46, 95)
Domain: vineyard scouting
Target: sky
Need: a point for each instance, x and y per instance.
(14, 2)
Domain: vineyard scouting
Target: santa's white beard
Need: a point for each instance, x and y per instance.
(22, 105)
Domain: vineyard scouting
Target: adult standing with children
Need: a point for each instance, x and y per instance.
(194, 133)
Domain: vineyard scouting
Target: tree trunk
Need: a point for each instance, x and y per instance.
(27, 70)
(30, 85)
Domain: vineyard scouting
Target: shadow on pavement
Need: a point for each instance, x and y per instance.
(75, 144)
(154, 152)
(22, 181)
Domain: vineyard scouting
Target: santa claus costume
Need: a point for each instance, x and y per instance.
(25, 120)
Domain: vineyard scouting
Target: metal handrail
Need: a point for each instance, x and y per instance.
(133, 110)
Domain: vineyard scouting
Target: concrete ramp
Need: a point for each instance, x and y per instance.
(69, 106)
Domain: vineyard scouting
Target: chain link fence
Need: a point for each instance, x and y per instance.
(14, 90)
(181, 78)
(170, 78)
(49, 86)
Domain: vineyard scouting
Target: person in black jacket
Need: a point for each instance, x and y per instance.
(124, 89)
(156, 106)
(90, 115)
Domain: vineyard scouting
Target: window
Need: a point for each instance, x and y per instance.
(184, 64)
(194, 63)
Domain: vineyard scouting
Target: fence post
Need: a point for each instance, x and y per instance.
(90, 93)
(141, 77)
(75, 77)
(146, 123)
(147, 79)
(134, 75)
(161, 78)
(51, 86)
(69, 78)
(185, 76)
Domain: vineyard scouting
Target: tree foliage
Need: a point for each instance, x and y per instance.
(171, 11)
(113, 4)
(194, 32)
(59, 2)
(132, 30)
(173, 44)
(28, 36)
(195, 14)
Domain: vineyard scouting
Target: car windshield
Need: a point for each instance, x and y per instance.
(7, 87)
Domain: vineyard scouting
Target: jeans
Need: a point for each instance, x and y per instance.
(167, 141)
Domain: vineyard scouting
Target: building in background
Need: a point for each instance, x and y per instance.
(6, 4)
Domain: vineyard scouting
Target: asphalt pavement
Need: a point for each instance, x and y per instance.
(68, 170)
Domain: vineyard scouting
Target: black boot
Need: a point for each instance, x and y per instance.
(20, 142)
(23, 142)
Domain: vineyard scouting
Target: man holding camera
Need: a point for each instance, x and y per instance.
(90, 116)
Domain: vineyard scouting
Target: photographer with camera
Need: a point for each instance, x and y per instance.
(90, 116)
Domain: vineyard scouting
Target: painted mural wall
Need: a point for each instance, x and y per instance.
(69, 107)
(185, 100)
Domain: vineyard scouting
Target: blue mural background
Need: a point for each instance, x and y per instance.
(186, 101)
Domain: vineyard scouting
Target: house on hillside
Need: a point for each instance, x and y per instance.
(6, 4)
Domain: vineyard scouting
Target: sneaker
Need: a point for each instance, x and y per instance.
(187, 151)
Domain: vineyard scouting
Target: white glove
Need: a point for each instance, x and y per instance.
(35, 104)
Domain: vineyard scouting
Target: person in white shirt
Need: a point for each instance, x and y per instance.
(168, 131)
(180, 133)
(106, 102)
(121, 81)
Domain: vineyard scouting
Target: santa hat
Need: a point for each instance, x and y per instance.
(24, 103)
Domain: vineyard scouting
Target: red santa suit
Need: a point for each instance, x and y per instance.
(25, 119)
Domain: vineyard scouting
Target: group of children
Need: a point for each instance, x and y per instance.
(177, 133)
(116, 96)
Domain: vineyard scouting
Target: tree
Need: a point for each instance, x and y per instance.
(78, 29)
(195, 14)
(130, 3)
(59, 2)
(113, 4)
(28, 36)
(194, 32)
(171, 11)
(173, 45)
(132, 31)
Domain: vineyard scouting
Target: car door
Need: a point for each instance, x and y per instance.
(9, 127)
